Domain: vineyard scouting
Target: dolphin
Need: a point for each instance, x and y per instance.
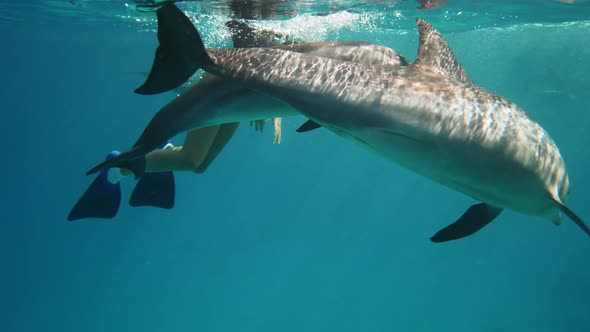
(428, 117)
(431, 4)
(214, 100)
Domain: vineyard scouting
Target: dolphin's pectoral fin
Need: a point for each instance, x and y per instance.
(434, 53)
(574, 217)
(179, 54)
(474, 219)
(307, 126)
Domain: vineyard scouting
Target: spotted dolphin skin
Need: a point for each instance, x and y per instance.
(427, 117)
(215, 101)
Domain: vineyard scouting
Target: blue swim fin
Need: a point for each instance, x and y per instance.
(154, 189)
(101, 200)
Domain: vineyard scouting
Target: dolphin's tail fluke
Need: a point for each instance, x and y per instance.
(180, 54)
(125, 160)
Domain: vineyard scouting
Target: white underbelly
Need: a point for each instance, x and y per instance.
(247, 107)
(489, 177)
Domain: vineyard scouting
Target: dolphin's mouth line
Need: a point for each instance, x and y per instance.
(399, 134)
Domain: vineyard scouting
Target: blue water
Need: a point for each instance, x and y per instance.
(314, 234)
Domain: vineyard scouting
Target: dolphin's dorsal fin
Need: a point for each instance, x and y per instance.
(434, 53)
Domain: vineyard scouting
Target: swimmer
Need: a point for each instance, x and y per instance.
(431, 4)
(155, 185)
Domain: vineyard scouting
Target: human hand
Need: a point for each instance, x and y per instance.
(276, 137)
(258, 125)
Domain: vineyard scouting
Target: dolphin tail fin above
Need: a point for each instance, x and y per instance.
(573, 217)
(180, 54)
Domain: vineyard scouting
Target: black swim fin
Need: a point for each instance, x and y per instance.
(154, 189)
(474, 219)
(307, 126)
(101, 200)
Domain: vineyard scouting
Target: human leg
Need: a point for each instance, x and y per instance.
(225, 133)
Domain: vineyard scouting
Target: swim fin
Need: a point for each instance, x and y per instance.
(154, 189)
(101, 200)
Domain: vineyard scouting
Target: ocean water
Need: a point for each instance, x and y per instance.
(314, 234)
